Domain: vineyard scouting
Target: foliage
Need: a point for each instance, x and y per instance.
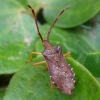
(77, 31)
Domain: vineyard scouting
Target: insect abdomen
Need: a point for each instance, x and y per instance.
(63, 77)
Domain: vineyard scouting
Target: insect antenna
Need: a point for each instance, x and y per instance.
(36, 21)
(55, 22)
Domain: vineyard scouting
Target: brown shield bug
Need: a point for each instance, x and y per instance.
(61, 73)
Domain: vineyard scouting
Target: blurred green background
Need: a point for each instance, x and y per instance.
(77, 31)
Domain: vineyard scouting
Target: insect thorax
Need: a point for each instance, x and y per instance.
(52, 52)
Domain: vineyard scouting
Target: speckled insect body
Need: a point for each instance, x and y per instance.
(61, 73)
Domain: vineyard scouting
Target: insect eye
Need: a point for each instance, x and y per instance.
(57, 49)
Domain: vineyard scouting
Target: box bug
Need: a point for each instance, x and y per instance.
(61, 73)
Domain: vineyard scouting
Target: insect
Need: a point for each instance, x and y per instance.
(61, 73)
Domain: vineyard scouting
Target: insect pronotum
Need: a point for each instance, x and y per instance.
(61, 73)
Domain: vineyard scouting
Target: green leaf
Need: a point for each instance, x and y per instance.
(17, 36)
(98, 79)
(92, 63)
(79, 11)
(23, 2)
(86, 82)
(33, 83)
(1, 94)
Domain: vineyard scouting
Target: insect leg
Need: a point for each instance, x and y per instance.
(67, 54)
(31, 53)
(38, 65)
(52, 85)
